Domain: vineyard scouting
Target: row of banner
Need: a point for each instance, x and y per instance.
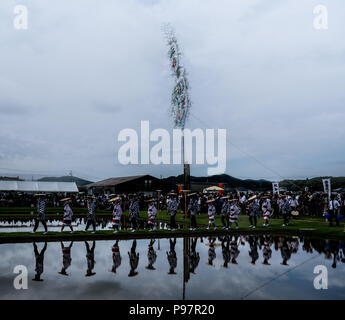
(275, 187)
(326, 187)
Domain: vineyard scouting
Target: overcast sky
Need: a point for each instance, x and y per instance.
(84, 70)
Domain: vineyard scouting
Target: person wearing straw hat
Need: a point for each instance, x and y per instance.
(254, 209)
(225, 211)
(39, 256)
(266, 210)
(68, 214)
(151, 255)
(117, 213)
(194, 257)
(66, 258)
(234, 252)
(133, 211)
(253, 253)
(211, 214)
(211, 251)
(286, 210)
(172, 257)
(226, 250)
(172, 210)
(266, 251)
(151, 214)
(234, 212)
(285, 251)
(333, 207)
(193, 209)
(41, 207)
(91, 218)
(133, 259)
(116, 256)
(90, 258)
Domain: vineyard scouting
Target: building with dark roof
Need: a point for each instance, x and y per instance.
(146, 184)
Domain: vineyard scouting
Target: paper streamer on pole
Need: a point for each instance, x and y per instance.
(180, 101)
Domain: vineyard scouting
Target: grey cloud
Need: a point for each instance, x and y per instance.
(71, 82)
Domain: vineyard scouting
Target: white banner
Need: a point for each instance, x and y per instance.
(327, 186)
(275, 186)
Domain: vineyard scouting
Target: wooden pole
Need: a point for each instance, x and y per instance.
(158, 200)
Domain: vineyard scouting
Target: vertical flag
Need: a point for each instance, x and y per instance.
(179, 189)
(275, 186)
(220, 185)
(327, 187)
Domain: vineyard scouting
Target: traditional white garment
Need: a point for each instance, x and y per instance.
(234, 212)
(266, 209)
(211, 212)
(117, 213)
(151, 212)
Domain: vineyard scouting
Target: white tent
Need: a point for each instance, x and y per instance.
(213, 188)
(38, 186)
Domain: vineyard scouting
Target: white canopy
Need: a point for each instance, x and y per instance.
(38, 186)
(214, 188)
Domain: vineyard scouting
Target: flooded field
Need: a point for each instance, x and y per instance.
(248, 267)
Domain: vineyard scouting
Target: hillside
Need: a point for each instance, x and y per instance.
(314, 184)
(224, 178)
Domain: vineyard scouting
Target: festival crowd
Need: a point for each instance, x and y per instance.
(255, 205)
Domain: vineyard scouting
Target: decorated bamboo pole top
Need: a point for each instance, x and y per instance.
(180, 100)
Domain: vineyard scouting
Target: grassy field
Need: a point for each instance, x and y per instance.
(309, 226)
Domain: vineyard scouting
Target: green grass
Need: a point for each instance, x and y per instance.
(319, 228)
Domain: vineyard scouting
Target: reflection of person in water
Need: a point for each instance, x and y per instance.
(116, 256)
(133, 259)
(151, 256)
(211, 251)
(234, 252)
(172, 258)
(66, 258)
(39, 261)
(90, 257)
(286, 251)
(194, 256)
(253, 253)
(341, 256)
(266, 251)
(226, 250)
(334, 248)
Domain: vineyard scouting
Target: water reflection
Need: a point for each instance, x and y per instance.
(172, 257)
(66, 258)
(90, 258)
(234, 267)
(26, 224)
(39, 256)
(116, 256)
(133, 259)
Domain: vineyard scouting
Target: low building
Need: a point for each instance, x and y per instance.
(145, 184)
